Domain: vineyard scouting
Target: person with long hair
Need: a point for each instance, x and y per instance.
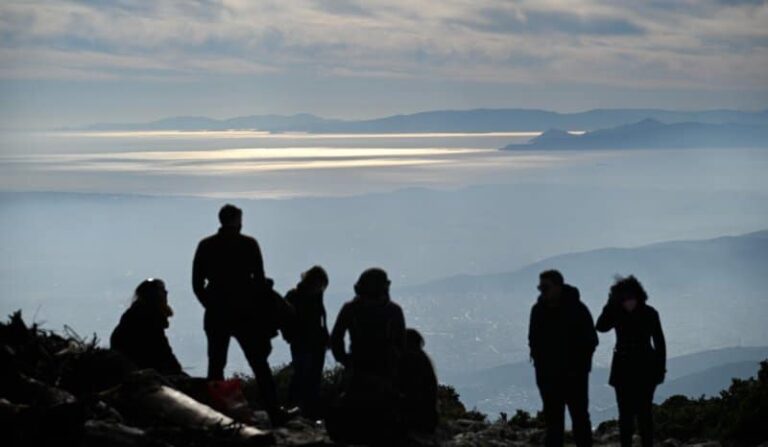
(639, 357)
(376, 327)
(140, 335)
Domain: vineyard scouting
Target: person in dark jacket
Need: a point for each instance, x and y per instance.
(228, 280)
(376, 327)
(369, 409)
(418, 384)
(308, 338)
(562, 340)
(140, 335)
(639, 357)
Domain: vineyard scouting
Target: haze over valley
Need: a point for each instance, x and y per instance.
(86, 215)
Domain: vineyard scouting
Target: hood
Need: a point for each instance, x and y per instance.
(570, 295)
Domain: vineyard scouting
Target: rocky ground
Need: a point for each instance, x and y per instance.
(62, 390)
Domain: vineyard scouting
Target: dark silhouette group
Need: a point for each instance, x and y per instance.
(388, 376)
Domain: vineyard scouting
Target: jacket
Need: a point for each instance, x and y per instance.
(562, 337)
(228, 270)
(376, 329)
(640, 354)
(140, 337)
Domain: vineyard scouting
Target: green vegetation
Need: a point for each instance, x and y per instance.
(736, 417)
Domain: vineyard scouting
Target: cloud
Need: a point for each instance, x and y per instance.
(506, 21)
(343, 7)
(621, 42)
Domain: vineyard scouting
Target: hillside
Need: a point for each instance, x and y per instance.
(477, 120)
(653, 134)
(481, 321)
(62, 390)
(512, 386)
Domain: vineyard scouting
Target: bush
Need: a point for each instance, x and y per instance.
(736, 417)
(523, 419)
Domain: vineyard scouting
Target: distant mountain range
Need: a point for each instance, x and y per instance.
(709, 293)
(477, 120)
(512, 386)
(653, 134)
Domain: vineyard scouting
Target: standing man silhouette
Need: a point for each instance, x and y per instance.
(228, 280)
(562, 339)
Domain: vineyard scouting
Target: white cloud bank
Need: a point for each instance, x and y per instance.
(699, 44)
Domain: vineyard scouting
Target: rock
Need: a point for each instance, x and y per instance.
(163, 403)
(302, 432)
(101, 433)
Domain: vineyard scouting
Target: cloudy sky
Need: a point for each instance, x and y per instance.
(74, 62)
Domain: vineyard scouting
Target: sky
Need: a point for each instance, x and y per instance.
(68, 63)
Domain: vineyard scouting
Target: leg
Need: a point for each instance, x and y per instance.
(554, 412)
(299, 362)
(577, 398)
(218, 344)
(257, 351)
(314, 378)
(626, 404)
(645, 415)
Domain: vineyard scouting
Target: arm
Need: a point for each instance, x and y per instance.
(660, 346)
(588, 330)
(588, 337)
(607, 319)
(257, 264)
(170, 363)
(199, 275)
(324, 320)
(340, 328)
(533, 334)
(398, 330)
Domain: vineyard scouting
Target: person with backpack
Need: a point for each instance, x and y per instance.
(308, 338)
(639, 357)
(418, 383)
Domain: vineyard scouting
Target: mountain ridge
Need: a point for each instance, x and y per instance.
(651, 133)
(486, 316)
(471, 120)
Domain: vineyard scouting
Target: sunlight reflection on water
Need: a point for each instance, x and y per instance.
(206, 164)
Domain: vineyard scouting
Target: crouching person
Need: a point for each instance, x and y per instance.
(418, 383)
(140, 335)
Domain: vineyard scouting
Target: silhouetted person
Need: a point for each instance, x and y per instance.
(376, 327)
(228, 280)
(639, 357)
(309, 338)
(369, 410)
(140, 335)
(562, 339)
(418, 383)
